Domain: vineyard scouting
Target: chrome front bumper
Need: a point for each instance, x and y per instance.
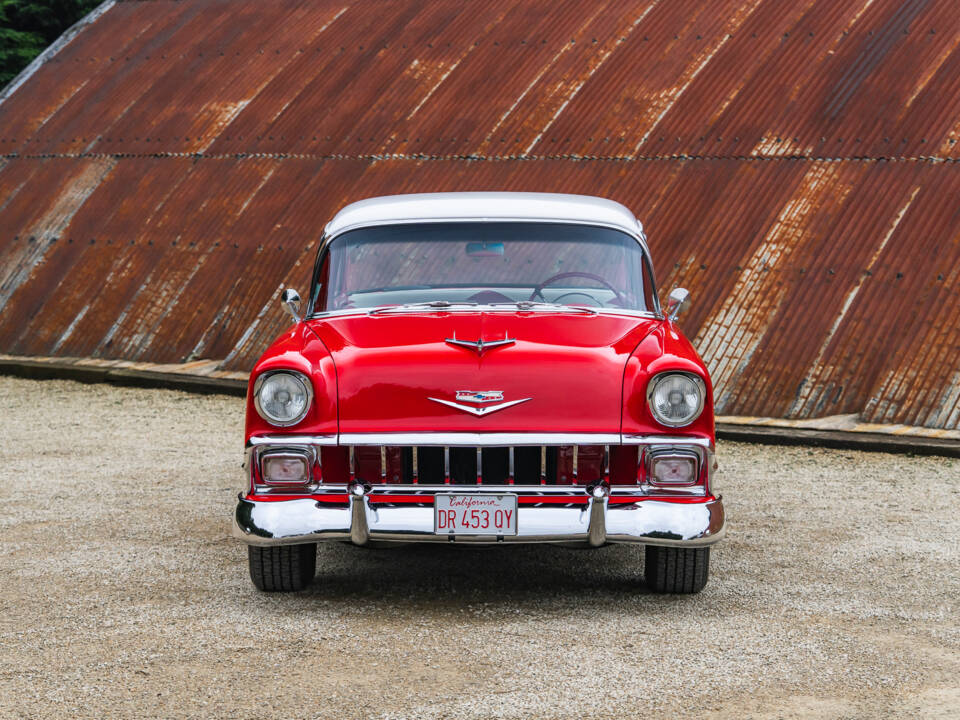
(629, 519)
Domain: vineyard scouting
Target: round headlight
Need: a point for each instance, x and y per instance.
(282, 398)
(676, 399)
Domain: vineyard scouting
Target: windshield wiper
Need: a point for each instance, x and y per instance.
(533, 305)
(432, 305)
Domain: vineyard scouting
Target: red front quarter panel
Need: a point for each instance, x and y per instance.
(664, 349)
(298, 349)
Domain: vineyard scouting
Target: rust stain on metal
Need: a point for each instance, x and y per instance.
(804, 403)
(738, 329)
(795, 163)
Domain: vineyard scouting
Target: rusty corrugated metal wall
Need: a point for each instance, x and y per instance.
(794, 161)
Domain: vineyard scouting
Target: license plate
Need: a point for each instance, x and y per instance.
(475, 514)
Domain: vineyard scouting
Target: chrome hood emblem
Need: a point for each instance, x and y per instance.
(481, 344)
(479, 396)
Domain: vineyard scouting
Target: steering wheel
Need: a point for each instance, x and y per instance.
(593, 301)
(538, 290)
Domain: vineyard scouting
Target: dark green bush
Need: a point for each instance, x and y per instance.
(29, 26)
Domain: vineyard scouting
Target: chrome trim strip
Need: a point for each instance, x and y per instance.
(526, 490)
(489, 439)
(657, 310)
(677, 440)
(462, 439)
(288, 440)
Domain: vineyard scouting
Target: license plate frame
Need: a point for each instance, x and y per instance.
(469, 518)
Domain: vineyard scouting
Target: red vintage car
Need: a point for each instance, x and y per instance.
(481, 368)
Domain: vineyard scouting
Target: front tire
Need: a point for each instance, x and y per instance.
(282, 569)
(676, 570)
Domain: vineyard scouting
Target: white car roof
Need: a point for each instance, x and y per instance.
(480, 206)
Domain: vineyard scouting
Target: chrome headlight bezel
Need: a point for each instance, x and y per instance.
(698, 383)
(299, 377)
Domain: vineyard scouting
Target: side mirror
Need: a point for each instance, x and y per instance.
(676, 300)
(290, 299)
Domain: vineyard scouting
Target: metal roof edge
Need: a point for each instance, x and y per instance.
(186, 377)
(839, 439)
(845, 423)
(56, 46)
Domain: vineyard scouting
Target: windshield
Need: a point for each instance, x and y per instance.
(482, 263)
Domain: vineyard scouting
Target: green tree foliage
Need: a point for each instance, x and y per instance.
(29, 26)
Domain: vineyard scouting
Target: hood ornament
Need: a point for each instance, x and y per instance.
(481, 344)
(479, 396)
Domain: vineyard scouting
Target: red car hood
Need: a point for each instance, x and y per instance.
(566, 367)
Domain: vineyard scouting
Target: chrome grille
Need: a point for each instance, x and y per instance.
(437, 465)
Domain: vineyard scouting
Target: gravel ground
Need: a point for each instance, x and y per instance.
(123, 595)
